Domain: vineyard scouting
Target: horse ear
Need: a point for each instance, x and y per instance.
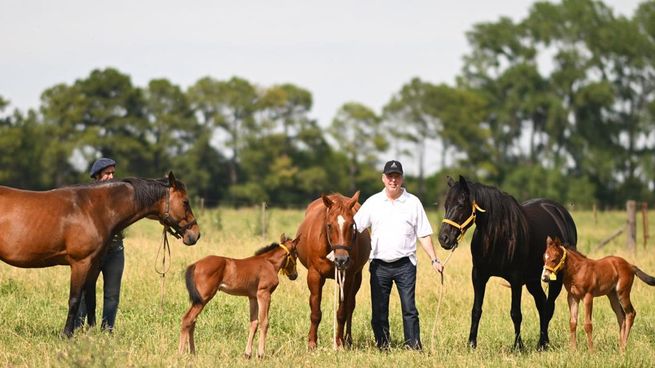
(171, 179)
(451, 182)
(463, 183)
(353, 200)
(327, 201)
(549, 240)
(283, 238)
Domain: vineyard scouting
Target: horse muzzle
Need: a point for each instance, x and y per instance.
(191, 237)
(447, 241)
(341, 262)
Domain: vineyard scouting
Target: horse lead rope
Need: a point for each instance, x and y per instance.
(439, 299)
(165, 266)
(339, 277)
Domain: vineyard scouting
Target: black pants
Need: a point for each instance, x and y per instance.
(383, 275)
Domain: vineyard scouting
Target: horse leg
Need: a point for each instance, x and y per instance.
(515, 313)
(540, 301)
(630, 314)
(350, 306)
(254, 311)
(79, 273)
(479, 287)
(573, 321)
(315, 283)
(588, 327)
(90, 294)
(188, 327)
(264, 303)
(620, 314)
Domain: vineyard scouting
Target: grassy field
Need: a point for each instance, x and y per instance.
(33, 305)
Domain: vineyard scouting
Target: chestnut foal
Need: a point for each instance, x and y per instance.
(254, 277)
(586, 278)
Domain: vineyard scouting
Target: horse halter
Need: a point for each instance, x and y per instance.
(463, 226)
(172, 226)
(560, 265)
(341, 246)
(289, 259)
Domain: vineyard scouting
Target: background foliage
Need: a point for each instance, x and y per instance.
(557, 104)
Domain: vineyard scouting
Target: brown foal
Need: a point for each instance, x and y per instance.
(586, 278)
(254, 277)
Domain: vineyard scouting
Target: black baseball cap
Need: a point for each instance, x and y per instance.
(393, 166)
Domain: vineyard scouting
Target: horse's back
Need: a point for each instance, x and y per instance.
(549, 218)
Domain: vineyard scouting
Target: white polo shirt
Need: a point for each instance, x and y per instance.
(395, 225)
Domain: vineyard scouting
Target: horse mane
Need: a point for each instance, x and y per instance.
(504, 222)
(148, 191)
(569, 248)
(267, 248)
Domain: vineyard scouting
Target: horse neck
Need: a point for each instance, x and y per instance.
(122, 208)
(573, 262)
(276, 257)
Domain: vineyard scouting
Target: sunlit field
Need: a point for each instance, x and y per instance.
(33, 306)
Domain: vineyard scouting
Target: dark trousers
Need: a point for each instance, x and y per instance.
(383, 275)
(112, 272)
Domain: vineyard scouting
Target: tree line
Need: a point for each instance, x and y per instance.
(559, 104)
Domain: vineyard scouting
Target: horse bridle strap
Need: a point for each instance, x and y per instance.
(289, 259)
(171, 225)
(340, 246)
(463, 226)
(559, 266)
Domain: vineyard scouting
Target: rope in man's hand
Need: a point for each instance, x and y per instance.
(439, 298)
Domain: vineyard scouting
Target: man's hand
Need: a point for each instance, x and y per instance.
(437, 265)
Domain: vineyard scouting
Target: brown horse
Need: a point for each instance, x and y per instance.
(254, 277)
(586, 278)
(73, 225)
(328, 237)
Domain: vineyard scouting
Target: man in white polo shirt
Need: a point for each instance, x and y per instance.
(397, 219)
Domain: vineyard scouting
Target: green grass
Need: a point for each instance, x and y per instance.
(33, 305)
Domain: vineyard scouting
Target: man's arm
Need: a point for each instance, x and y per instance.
(426, 243)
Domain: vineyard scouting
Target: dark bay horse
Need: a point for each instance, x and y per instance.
(586, 278)
(73, 225)
(328, 237)
(508, 242)
(254, 277)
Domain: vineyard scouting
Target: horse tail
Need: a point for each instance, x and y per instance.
(194, 295)
(650, 280)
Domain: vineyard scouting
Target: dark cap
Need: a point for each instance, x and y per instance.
(101, 164)
(393, 166)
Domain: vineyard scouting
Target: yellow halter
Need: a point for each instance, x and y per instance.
(560, 265)
(289, 259)
(463, 226)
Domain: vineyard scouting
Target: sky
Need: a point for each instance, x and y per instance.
(341, 51)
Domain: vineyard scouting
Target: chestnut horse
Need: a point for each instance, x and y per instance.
(586, 278)
(328, 237)
(254, 277)
(73, 225)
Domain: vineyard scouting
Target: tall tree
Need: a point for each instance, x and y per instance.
(356, 130)
(227, 105)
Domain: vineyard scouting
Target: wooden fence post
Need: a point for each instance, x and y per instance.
(631, 207)
(644, 216)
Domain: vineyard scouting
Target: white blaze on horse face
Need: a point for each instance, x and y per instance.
(341, 221)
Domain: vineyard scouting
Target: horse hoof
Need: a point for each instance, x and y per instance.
(247, 356)
(473, 345)
(311, 345)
